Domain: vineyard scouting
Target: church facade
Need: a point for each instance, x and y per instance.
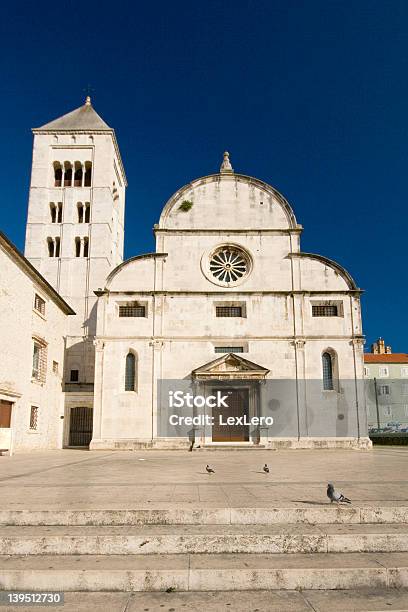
(227, 303)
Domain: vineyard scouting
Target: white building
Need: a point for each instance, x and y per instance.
(34, 323)
(227, 301)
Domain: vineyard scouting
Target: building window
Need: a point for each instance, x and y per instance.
(55, 367)
(324, 311)
(384, 390)
(229, 349)
(327, 365)
(77, 247)
(387, 411)
(86, 247)
(383, 371)
(404, 371)
(366, 371)
(34, 418)
(130, 372)
(74, 376)
(39, 369)
(88, 174)
(53, 212)
(87, 212)
(53, 245)
(80, 212)
(78, 175)
(57, 175)
(39, 304)
(404, 390)
(132, 310)
(59, 212)
(228, 311)
(67, 175)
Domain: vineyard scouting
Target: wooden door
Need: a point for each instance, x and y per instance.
(80, 430)
(238, 406)
(5, 413)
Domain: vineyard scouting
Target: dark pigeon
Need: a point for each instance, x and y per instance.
(336, 496)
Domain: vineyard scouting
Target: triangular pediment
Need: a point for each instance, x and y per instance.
(230, 366)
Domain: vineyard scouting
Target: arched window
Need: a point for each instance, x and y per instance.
(77, 247)
(86, 247)
(68, 175)
(130, 372)
(78, 175)
(53, 212)
(50, 243)
(327, 366)
(57, 246)
(80, 212)
(57, 175)
(59, 217)
(87, 212)
(88, 174)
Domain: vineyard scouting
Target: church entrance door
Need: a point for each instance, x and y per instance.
(80, 426)
(238, 406)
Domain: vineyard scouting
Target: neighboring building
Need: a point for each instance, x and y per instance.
(228, 298)
(34, 324)
(386, 376)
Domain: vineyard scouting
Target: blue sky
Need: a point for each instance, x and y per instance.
(309, 96)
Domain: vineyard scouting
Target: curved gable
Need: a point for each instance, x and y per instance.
(227, 201)
(320, 264)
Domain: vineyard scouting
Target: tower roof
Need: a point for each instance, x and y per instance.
(85, 118)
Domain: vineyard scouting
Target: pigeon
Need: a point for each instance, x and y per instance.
(336, 496)
(209, 470)
(265, 469)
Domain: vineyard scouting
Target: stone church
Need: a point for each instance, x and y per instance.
(228, 301)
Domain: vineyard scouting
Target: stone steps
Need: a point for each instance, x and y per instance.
(314, 514)
(205, 539)
(204, 572)
(205, 549)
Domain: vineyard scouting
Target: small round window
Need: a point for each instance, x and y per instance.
(228, 265)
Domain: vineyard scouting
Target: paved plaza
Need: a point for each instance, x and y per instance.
(79, 479)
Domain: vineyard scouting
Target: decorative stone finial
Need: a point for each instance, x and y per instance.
(226, 164)
(88, 101)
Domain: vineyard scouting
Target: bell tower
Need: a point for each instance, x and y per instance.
(75, 224)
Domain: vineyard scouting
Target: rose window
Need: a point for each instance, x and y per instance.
(228, 265)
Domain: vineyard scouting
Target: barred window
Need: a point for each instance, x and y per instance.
(384, 390)
(327, 365)
(39, 369)
(324, 311)
(229, 349)
(39, 304)
(228, 311)
(34, 418)
(130, 372)
(132, 310)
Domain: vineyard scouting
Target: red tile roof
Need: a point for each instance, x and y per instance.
(386, 358)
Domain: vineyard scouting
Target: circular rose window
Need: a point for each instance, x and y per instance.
(228, 265)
